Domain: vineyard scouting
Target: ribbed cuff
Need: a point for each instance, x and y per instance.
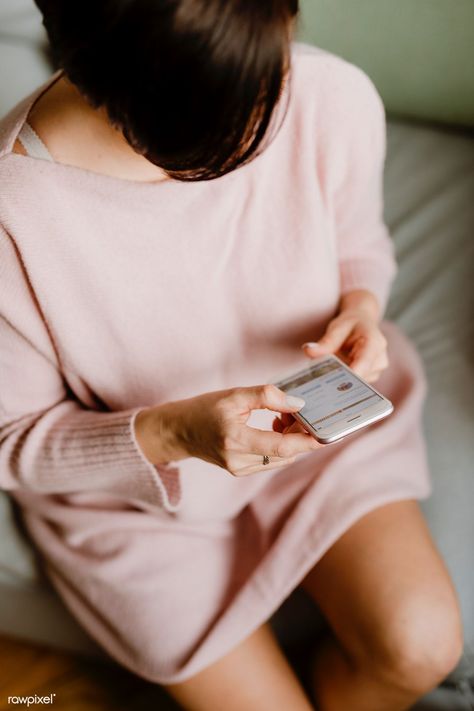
(69, 449)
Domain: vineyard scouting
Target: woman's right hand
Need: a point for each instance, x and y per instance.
(213, 427)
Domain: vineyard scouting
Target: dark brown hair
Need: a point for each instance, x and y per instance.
(192, 84)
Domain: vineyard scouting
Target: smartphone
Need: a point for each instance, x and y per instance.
(338, 402)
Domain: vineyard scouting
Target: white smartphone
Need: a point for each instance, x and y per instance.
(338, 402)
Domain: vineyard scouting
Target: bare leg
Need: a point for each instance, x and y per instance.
(254, 676)
(393, 611)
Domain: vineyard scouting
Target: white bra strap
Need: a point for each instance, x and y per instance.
(32, 143)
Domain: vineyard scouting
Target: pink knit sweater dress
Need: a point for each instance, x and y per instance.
(116, 295)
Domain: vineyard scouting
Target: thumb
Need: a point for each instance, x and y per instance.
(270, 397)
(334, 338)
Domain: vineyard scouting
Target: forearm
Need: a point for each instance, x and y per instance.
(67, 449)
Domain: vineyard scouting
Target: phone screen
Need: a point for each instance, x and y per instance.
(332, 393)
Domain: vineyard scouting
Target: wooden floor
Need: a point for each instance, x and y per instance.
(84, 685)
(79, 685)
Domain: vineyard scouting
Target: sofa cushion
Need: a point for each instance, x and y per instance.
(429, 186)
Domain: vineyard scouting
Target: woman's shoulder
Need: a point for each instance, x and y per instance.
(325, 69)
(12, 122)
(339, 115)
(333, 87)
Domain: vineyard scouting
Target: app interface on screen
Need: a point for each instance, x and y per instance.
(331, 393)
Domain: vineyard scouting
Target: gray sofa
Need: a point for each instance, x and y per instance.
(429, 187)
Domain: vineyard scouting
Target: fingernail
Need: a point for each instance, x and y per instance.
(310, 344)
(293, 401)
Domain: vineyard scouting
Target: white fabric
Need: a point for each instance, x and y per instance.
(32, 143)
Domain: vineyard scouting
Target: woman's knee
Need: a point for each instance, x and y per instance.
(420, 644)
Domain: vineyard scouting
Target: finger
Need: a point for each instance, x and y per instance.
(277, 425)
(275, 444)
(287, 418)
(259, 467)
(377, 368)
(295, 427)
(364, 355)
(255, 460)
(282, 422)
(336, 334)
(381, 362)
(374, 376)
(266, 397)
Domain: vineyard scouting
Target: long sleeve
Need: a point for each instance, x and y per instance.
(354, 155)
(49, 443)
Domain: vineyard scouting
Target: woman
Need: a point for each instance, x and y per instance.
(190, 200)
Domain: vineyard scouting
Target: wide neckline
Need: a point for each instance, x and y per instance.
(92, 175)
(86, 174)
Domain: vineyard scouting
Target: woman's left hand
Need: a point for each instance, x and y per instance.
(354, 335)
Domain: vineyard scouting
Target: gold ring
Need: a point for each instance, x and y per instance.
(266, 459)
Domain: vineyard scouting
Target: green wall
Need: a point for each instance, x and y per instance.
(419, 53)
